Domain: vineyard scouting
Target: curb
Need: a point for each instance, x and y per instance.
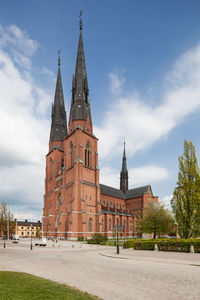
(110, 256)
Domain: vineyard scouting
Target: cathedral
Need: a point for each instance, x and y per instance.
(75, 203)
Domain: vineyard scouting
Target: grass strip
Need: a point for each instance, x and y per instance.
(23, 286)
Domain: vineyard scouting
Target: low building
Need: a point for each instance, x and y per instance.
(28, 229)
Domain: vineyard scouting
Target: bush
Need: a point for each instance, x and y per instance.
(129, 244)
(147, 245)
(179, 245)
(175, 245)
(97, 239)
(80, 238)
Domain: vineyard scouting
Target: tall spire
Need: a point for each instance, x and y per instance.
(124, 173)
(80, 107)
(58, 122)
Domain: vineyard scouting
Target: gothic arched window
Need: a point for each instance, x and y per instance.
(90, 225)
(72, 154)
(62, 164)
(51, 166)
(87, 155)
(59, 200)
(109, 225)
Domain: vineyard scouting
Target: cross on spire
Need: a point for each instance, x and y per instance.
(80, 22)
(59, 57)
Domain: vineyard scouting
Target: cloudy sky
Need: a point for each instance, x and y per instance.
(143, 65)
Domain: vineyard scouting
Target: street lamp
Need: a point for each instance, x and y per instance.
(117, 236)
(31, 238)
(4, 244)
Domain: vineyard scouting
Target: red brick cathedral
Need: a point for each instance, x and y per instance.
(75, 203)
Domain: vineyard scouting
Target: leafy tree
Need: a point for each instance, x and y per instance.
(37, 233)
(156, 219)
(6, 219)
(186, 197)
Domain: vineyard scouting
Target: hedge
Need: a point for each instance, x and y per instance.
(175, 245)
(98, 238)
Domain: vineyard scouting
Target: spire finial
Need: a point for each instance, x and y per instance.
(59, 57)
(80, 22)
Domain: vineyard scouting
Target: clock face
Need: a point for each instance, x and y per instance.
(59, 200)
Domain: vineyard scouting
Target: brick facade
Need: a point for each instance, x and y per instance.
(75, 204)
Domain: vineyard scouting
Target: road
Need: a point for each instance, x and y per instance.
(134, 275)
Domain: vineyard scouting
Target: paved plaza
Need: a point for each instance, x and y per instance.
(98, 270)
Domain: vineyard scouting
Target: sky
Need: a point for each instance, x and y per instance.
(143, 66)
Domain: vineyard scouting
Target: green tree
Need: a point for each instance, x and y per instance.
(37, 233)
(186, 196)
(6, 220)
(156, 219)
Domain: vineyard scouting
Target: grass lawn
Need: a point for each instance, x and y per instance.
(21, 286)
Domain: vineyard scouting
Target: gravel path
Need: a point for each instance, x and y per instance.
(134, 275)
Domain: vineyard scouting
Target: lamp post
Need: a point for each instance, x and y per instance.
(117, 236)
(8, 221)
(31, 238)
(124, 234)
(16, 226)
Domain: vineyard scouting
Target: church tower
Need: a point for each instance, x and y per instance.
(55, 159)
(72, 194)
(81, 152)
(124, 174)
(80, 114)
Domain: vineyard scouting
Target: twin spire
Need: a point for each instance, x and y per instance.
(80, 108)
(59, 122)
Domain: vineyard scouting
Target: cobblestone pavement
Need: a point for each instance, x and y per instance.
(134, 275)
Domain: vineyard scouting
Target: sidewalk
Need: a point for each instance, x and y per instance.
(156, 256)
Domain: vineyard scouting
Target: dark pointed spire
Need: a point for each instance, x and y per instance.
(58, 123)
(80, 107)
(124, 174)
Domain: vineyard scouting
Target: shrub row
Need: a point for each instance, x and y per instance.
(175, 245)
(98, 238)
(80, 238)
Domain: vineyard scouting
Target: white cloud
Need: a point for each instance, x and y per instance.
(137, 176)
(147, 174)
(24, 129)
(109, 176)
(116, 83)
(143, 124)
(166, 201)
(20, 130)
(22, 214)
(46, 71)
(19, 39)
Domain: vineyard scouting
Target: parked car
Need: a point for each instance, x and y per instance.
(43, 242)
(15, 237)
